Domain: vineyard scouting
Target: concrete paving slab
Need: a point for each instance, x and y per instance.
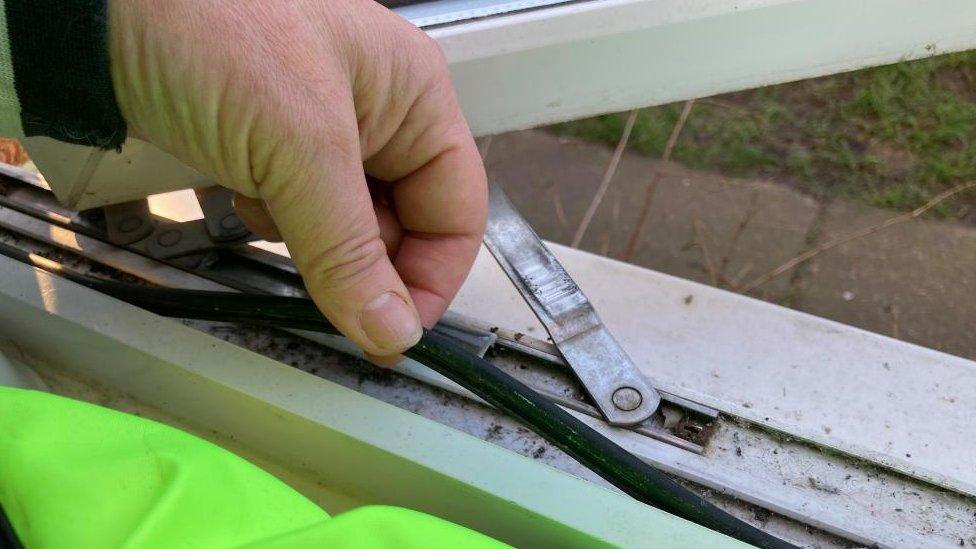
(915, 281)
(701, 226)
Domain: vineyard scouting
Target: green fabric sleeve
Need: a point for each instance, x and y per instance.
(76, 475)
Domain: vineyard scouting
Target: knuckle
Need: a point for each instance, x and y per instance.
(428, 51)
(429, 45)
(438, 61)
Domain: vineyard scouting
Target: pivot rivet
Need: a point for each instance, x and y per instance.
(169, 238)
(627, 398)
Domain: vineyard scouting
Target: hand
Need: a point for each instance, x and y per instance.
(292, 104)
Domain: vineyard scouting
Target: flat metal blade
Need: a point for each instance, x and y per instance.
(617, 387)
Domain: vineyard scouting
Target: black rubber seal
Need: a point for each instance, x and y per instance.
(61, 70)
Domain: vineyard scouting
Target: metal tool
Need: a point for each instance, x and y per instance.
(33, 215)
(580, 341)
(611, 379)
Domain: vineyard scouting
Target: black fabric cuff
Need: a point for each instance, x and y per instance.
(61, 71)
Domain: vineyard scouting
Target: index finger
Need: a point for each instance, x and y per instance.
(441, 198)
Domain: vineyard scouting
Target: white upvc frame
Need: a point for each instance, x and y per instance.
(806, 377)
(578, 59)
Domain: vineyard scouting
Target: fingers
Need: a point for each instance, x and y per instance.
(318, 198)
(254, 213)
(391, 233)
(283, 102)
(440, 197)
(385, 361)
(401, 122)
(442, 208)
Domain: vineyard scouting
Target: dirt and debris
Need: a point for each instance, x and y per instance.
(494, 432)
(823, 487)
(761, 515)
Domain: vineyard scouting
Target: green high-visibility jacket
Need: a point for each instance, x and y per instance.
(76, 475)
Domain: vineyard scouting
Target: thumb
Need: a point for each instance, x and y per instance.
(325, 215)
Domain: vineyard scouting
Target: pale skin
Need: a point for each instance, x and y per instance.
(295, 105)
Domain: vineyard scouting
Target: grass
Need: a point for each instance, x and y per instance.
(892, 136)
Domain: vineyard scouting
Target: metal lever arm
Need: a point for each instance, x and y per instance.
(612, 380)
